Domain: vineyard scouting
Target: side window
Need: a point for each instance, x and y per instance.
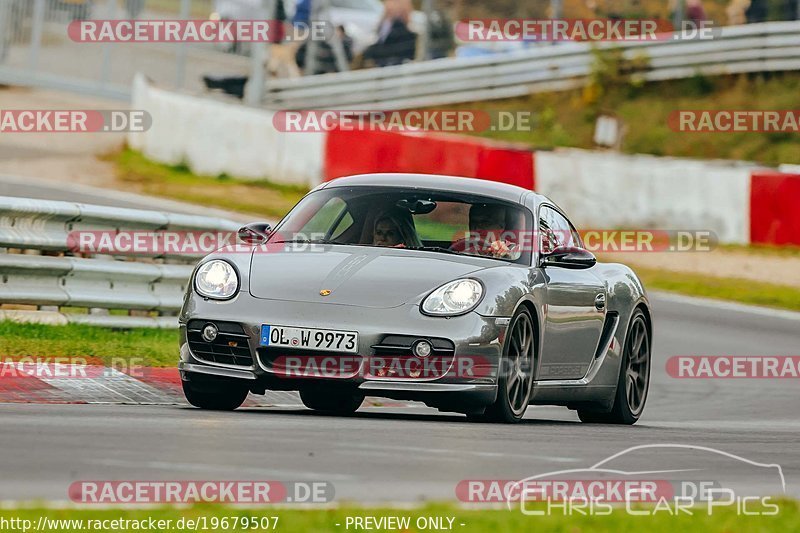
(343, 225)
(555, 231)
(548, 241)
(333, 212)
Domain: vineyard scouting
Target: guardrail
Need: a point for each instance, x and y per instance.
(43, 272)
(771, 46)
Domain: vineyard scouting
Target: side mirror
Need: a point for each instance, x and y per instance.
(254, 233)
(569, 257)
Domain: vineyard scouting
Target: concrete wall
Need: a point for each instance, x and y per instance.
(214, 137)
(608, 190)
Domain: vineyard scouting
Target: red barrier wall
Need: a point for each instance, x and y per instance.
(774, 208)
(359, 152)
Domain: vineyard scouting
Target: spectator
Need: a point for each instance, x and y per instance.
(326, 59)
(696, 13)
(396, 43)
(736, 11)
(302, 13)
(757, 11)
(440, 31)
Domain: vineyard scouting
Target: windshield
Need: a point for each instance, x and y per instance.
(394, 217)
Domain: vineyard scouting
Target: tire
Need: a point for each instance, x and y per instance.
(226, 397)
(517, 367)
(332, 401)
(633, 383)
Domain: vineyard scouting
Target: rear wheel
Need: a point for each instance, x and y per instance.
(634, 378)
(332, 402)
(221, 396)
(515, 382)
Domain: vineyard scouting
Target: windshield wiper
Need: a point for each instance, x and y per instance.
(433, 249)
(314, 241)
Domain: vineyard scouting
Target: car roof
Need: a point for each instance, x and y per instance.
(482, 187)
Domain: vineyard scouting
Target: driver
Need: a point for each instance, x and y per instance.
(487, 226)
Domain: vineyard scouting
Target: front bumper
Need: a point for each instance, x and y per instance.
(475, 338)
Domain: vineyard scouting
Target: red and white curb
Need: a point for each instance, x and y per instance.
(70, 384)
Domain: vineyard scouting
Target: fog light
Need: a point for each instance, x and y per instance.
(422, 349)
(210, 333)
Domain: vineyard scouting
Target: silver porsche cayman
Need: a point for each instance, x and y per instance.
(468, 295)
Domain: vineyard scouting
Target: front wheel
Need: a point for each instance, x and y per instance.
(224, 396)
(634, 378)
(515, 382)
(332, 402)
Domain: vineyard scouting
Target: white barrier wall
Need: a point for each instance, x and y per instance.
(605, 190)
(602, 190)
(214, 137)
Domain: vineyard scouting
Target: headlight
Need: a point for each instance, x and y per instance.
(453, 298)
(216, 279)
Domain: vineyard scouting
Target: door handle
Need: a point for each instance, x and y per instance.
(600, 302)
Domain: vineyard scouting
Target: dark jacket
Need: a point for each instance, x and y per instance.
(399, 46)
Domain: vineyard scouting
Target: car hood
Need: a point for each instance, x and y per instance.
(356, 275)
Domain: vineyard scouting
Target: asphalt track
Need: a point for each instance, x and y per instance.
(413, 454)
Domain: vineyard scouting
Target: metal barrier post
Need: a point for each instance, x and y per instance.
(423, 50)
(556, 8)
(677, 16)
(36, 33)
(256, 85)
(105, 69)
(312, 46)
(180, 74)
(5, 28)
(336, 44)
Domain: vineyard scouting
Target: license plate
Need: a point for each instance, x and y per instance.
(326, 340)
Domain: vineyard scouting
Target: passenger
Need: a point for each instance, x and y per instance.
(395, 228)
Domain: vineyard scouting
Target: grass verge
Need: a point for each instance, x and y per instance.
(568, 118)
(336, 520)
(731, 289)
(155, 347)
(763, 250)
(257, 198)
